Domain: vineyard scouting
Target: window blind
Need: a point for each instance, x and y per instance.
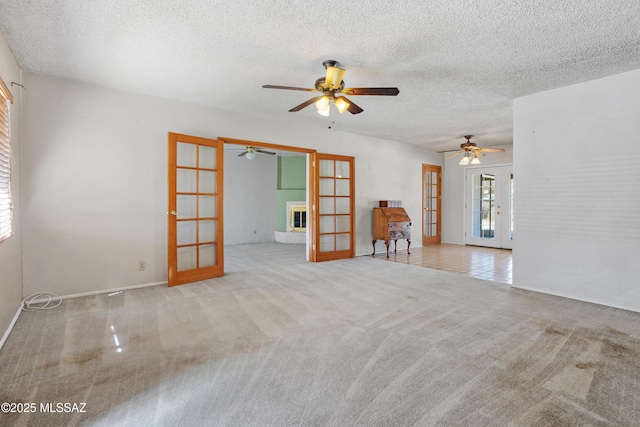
(6, 206)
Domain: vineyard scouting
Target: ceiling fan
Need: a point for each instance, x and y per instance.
(471, 151)
(250, 152)
(331, 86)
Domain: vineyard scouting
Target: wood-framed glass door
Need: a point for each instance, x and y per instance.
(431, 204)
(488, 207)
(334, 207)
(195, 217)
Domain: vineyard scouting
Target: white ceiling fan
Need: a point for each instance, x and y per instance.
(250, 152)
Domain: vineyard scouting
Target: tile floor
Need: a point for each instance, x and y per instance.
(474, 261)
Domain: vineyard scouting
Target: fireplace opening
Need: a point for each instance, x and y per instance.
(298, 218)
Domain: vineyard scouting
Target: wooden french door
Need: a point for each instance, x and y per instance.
(431, 204)
(334, 207)
(195, 241)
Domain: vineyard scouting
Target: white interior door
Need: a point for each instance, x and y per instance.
(489, 207)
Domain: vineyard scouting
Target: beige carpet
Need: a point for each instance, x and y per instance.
(362, 342)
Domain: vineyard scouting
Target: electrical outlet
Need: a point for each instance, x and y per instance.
(141, 265)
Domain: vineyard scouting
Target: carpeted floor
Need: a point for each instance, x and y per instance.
(278, 341)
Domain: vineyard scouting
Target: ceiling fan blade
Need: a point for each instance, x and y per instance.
(353, 108)
(244, 153)
(305, 104)
(446, 151)
(491, 150)
(258, 150)
(479, 153)
(382, 91)
(289, 88)
(454, 154)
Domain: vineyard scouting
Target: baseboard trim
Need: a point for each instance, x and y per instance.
(10, 328)
(104, 291)
(573, 297)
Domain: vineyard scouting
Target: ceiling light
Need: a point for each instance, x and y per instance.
(342, 104)
(324, 112)
(250, 155)
(323, 103)
(464, 161)
(476, 160)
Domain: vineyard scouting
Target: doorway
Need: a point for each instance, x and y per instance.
(489, 207)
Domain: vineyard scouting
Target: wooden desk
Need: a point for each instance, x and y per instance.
(391, 224)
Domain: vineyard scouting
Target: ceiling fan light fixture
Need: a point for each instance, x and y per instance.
(324, 112)
(323, 103)
(250, 155)
(464, 160)
(476, 160)
(341, 104)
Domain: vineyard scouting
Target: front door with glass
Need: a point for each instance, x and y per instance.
(489, 207)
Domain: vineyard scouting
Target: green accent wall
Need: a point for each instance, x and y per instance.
(292, 185)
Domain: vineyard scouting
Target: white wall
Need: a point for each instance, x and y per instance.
(11, 249)
(250, 198)
(578, 191)
(453, 191)
(94, 168)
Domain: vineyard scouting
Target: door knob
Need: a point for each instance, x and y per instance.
(174, 213)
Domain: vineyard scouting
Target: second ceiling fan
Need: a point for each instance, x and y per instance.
(471, 151)
(331, 86)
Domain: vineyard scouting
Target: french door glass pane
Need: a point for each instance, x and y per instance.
(327, 224)
(327, 205)
(327, 186)
(186, 154)
(327, 243)
(186, 181)
(342, 242)
(207, 158)
(187, 258)
(343, 223)
(207, 255)
(207, 206)
(483, 206)
(343, 205)
(342, 169)
(207, 231)
(186, 232)
(343, 187)
(207, 182)
(186, 206)
(327, 168)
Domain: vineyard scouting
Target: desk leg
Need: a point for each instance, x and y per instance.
(387, 242)
(395, 246)
(408, 246)
(374, 247)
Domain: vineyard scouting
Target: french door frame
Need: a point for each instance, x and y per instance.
(431, 204)
(322, 195)
(194, 213)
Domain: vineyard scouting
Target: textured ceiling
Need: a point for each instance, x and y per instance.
(458, 64)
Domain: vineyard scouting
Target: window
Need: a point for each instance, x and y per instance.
(6, 207)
